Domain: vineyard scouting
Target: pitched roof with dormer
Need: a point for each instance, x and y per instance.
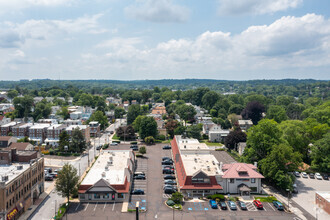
(240, 170)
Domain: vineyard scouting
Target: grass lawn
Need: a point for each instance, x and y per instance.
(211, 143)
(166, 141)
(266, 199)
(115, 137)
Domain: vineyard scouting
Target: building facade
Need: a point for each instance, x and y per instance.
(20, 185)
(110, 178)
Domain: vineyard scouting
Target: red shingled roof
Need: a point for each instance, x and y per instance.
(240, 170)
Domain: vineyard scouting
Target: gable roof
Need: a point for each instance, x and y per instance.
(5, 138)
(240, 170)
(21, 146)
(199, 174)
(101, 186)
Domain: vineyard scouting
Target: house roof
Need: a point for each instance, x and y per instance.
(20, 146)
(5, 138)
(240, 170)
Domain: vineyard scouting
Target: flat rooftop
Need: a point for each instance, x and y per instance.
(39, 126)
(9, 124)
(325, 195)
(72, 127)
(205, 162)
(11, 171)
(115, 174)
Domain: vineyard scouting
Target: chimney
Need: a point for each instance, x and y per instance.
(256, 164)
(220, 166)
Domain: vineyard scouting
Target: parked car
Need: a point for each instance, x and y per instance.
(258, 204)
(318, 176)
(168, 190)
(135, 149)
(295, 188)
(166, 162)
(170, 186)
(140, 177)
(49, 170)
(170, 182)
(325, 176)
(139, 173)
(312, 176)
(167, 167)
(114, 144)
(278, 205)
(242, 205)
(137, 192)
(232, 205)
(213, 204)
(48, 178)
(168, 171)
(53, 174)
(133, 146)
(167, 158)
(222, 205)
(297, 174)
(304, 175)
(99, 147)
(169, 177)
(166, 147)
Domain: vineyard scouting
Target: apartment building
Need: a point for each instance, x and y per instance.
(21, 130)
(53, 134)
(6, 129)
(20, 185)
(38, 132)
(94, 128)
(84, 129)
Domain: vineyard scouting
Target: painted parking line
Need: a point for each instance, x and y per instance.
(272, 207)
(105, 204)
(86, 206)
(113, 206)
(95, 207)
(77, 206)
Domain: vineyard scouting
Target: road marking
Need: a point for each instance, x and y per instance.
(95, 206)
(77, 206)
(265, 209)
(105, 204)
(272, 207)
(86, 206)
(113, 206)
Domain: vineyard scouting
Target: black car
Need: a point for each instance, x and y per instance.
(242, 205)
(325, 176)
(48, 178)
(170, 182)
(222, 205)
(167, 167)
(133, 146)
(140, 177)
(98, 147)
(168, 190)
(166, 147)
(49, 170)
(166, 162)
(169, 177)
(137, 192)
(167, 158)
(168, 171)
(312, 175)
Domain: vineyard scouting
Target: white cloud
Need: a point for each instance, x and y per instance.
(158, 11)
(238, 7)
(18, 33)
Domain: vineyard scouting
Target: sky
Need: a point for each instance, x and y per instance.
(164, 39)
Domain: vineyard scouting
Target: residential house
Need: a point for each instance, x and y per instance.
(245, 124)
(5, 141)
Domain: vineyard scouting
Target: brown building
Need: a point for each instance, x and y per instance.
(7, 128)
(159, 110)
(5, 141)
(322, 200)
(20, 185)
(21, 130)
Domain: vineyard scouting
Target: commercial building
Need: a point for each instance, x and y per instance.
(94, 128)
(198, 171)
(322, 200)
(110, 177)
(20, 185)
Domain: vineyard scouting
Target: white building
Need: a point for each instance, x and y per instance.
(110, 178)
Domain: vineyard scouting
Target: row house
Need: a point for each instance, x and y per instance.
(53, 134)
(83, 128)
(21, 130)
(7, 128)
(38, 132)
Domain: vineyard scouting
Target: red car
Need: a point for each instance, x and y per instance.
(258, 204)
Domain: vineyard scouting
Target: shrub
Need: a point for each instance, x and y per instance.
(142, 150)
(220, 149)
(105, 146)
(116, 141)
(216, 196)
(133, 142)
(45, 152)
(161, 137)
(76, 154)
(266, 199)
(149, 140)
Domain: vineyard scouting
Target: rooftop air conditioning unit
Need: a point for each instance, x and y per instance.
(4, 178)
(20, 167)
(106, 168)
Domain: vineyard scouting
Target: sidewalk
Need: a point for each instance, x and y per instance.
(297, 211)
(38, 202)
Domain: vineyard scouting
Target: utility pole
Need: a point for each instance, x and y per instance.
(137, 210)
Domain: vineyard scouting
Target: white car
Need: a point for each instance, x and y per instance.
(304, 175)
(318, 176)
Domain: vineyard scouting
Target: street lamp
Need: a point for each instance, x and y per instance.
(288, 190)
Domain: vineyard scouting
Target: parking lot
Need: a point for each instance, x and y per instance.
(306, 193)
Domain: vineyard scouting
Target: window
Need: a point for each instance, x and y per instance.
(120, 195)
(96, 196)
(82, 196)
(253, 180)
(232, 180)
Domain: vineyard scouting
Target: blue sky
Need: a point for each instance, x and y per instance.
(158, 39)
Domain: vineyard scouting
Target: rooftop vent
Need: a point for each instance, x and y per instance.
(20, 167)
(208, 168)
(195, 159)
(106, 168)
(185, 146)
(4, 178)
(103, 174)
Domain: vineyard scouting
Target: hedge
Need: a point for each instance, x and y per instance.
(133, 142)
(216, 196)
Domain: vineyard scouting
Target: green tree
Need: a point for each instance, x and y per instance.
(148, 127)
(186, 112)
(42, 110)
(126, 132)
(12, 93)
(100, 117)
(253, 111)
(170, 126)
(64, 140)
(142, 150)
(294, 111)
(64, 112)
(194, 131)
(177, 197)
(23, 106)
(209, 99)
(133, 112)
(119, 112)
(149, 140)
(67, 181)
(278, 163)
(284, 100)
(260, 140)
(321, 154)
(277, 113)
(315, 130)
(234, 137)
(78, 143)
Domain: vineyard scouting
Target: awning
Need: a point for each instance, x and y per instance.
(244, 188)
